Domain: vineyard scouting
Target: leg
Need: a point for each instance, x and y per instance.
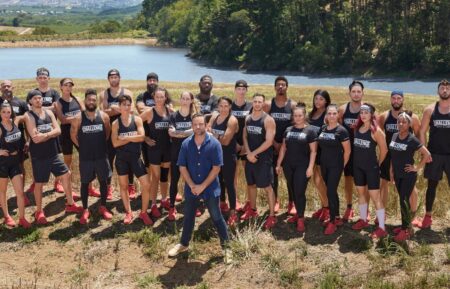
(164, 179)
(384, 191)
(38, 187)
(67, 185)
(320, 186)
(275, 176)
(17, 182)
(155, 174)
(271, 199)
(348, 188)
(144, 182)
(430, 195)
(214, 210)
(190, 206)
(123, 184)
(228, 173)
(299, 189)
(174, 178)
(103, 191)
(3, 196)
(363, 202)
(252, 196)
(84, 194)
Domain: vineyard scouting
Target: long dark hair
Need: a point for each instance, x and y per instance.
(61, 82)
(6, 103)
(325, 95)
(166, 94)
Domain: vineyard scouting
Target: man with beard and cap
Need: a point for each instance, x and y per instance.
(145, 99)
(436, 119)
(208, 101)
(388, 123)
(90, 131)
(109, 103)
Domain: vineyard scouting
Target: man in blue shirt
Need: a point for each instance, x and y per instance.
(200, 160)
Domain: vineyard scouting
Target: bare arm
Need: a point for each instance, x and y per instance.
(416, 125)
(139, 137)
(107, 124)
(380, 138)
(74, 127)
(341, 111)
(114, 135)
(347, 151)
(425, 124)
(281, 155)
(312, 158)
(269, 124)
(231, 130)
(381, 120)
(425, 155)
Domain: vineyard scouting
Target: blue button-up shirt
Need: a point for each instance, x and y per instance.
(199, 163)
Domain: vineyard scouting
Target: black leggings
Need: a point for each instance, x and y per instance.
(405, 186)
(297, 182)
(331, 177)
(85, 193)
(174, 178)
(226, 178)
(431, 194)
(111, 157)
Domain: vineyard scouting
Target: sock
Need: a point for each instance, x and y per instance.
(363, 212)
(380, 216)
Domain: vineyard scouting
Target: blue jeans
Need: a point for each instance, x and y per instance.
(190, 206)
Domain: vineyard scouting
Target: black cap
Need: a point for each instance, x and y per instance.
(152, 75)
(241, 83)
(42, 71)
(33, 93)
(113, 72)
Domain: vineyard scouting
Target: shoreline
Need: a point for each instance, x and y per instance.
(80, 42)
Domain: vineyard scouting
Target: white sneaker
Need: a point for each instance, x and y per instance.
(227, 256)
(177, 249)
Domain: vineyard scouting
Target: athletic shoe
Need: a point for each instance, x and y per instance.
(109, 193)
(84, 219)
(24, 223)
(249, 214)
(244, 208)
(30, 188)
(348, 215)
(40, 218)
(291, 210)
(276, 209)
(58, 187)
(293, 219)
(325, 215)
(301, 225)
(128, 218)
(376, 220)
(103, 211)
(74, 208)
(172, 214)
(155, 211)
(177, 249)
(317, 213)
(402, 236)
(132, 191)
(232, 220)
(426, 222)
(178, 198)
(93, 192)
(416, 222)
(378, 233)
(9, 222)
(338, 221)
(361, 224)
(270, 222)
(146, 219)
(164, 204)
(75, 197)
(224, 207)
(397, 230)
(330, 228)
(26, 200)
(198, 213)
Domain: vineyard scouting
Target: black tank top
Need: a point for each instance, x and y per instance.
(240, 112)
(69, 109)
(316, 124)
(256, 136)
(147, 99)
(348, 120)
(390, 127)
(132, 148)
(282, 117)
(114, 100)
(11, 140)
(47, 149)
(180, 123)
(220, 129)
(439, 141)
(364, 150)
(158, 130)
(49, 97)
(92, 138)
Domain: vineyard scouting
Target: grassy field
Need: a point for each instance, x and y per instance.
(111, 255)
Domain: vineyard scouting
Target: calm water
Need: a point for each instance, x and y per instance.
(135, 61)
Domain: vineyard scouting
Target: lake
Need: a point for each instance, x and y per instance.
(171, 64)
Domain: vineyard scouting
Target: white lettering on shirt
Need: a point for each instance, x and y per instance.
(280, 116)
(44, 128)
(327, 136)
(392, 127)
(296, 135)
(441, 123)
(13, 137)
(362, 143)
(254, 129)
(162, 125)
(240, 113)
(398, 146)
(92, 128)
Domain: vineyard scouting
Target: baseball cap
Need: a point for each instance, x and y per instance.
(241, 83)
(67, 80)
(152, 75)
(398, 92)
(113, 72)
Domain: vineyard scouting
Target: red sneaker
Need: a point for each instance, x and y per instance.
(178, 198)
(30, 188)
(376, 220)
(325, 215)
(93, 192)
(128, 218)
(378, 233)
(232, 220)
(9, 222)
(74, 208)
(317, 213)
(164, 204)
(301, 225)
(84, 219)
(397, 230)
(338, 221)
(244, 208)
(270, 222)
(26, 201)
(416, 222)
(146, 219)
(361, 224)
(132, 191)
(330, 229)
(276, 209)
(103, 211)
(155, 211)
(348, 215)
(224, 207)
(293, 219)
(426, 222)
(402, 236)
(291, 210)
(109, 193)
(40, 218)
(24, 223)
(58, 187)
(172, 214)
(198, 213)
(75, 196)
(249, 214)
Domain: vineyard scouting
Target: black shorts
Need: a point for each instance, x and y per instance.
(440, 164)
(348, 169)
(385, 168)
(90, 169)
(10, 166)
(259, 174)
(369, 177)
(66, 144)
(130, 163)
(158, 156)
(43, 167)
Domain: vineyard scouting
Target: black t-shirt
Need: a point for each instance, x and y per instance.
(19, 107)
(330, 142)
(49, 97)
(297, 144)
(402, 153)
(209, 105)
(146, 98)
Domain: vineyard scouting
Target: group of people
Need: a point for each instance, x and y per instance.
(208, 139)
